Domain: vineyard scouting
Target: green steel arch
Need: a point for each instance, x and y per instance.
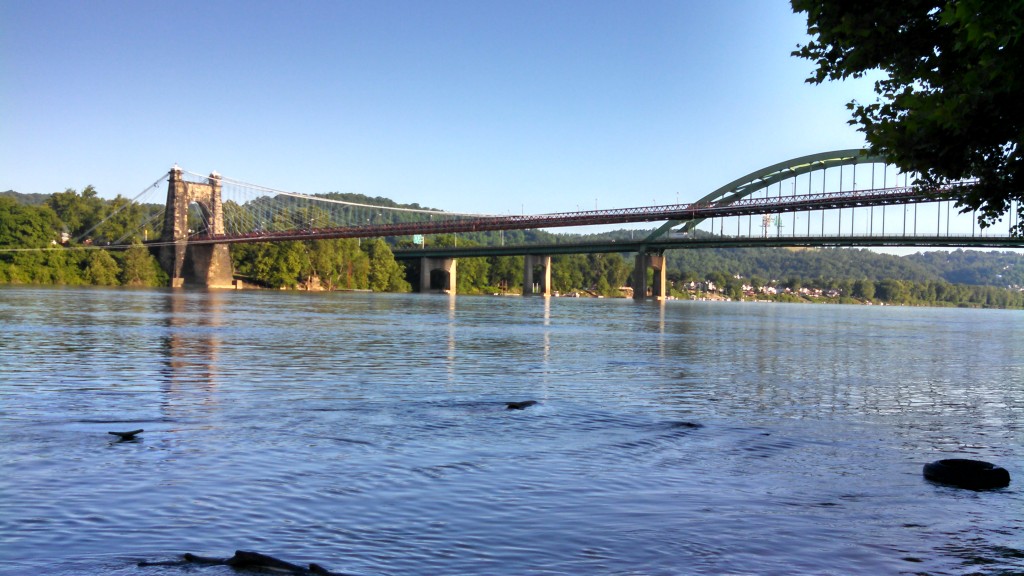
(765, 177)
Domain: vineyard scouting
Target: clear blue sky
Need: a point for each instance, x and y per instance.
(478, 106)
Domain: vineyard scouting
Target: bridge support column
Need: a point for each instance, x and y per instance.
(530, 261)
(207, 265)
(640, 288)
(445, 266)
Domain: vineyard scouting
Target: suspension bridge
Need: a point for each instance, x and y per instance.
(838, 198)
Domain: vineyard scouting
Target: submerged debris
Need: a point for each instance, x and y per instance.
(964, 473)
(129, 435)
(246, 560)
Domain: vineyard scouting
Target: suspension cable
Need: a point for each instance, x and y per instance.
(342, 202)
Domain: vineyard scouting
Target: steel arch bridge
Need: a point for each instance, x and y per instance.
(764, 178)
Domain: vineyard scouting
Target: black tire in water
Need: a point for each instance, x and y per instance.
(973, 474)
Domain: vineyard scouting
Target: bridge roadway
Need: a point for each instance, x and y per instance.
(658, 246)
(677, 213)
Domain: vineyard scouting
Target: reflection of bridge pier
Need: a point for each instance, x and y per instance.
(645, 259)
(530, 263)
(191, 351)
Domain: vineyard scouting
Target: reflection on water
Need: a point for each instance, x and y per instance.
(191, 350)
(451, 338)
(369, 433)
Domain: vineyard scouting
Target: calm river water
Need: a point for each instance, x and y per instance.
(368, 433)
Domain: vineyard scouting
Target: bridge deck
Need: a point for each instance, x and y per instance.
(713, 242)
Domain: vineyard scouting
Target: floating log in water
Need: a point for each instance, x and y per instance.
(129, 435)
(520, 405)
(245, 560)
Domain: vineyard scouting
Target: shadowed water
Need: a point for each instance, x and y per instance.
(368, 433)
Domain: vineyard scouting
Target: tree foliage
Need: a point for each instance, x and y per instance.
(101, 269)
(139, 268)
(385, 275)
(949, 103)
(79, 213)
(26, 226)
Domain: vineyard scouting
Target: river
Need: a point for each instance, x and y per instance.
(368, 433)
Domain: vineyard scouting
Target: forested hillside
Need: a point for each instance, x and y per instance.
(974, 267)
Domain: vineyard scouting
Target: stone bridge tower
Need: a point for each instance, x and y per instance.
(204, 265)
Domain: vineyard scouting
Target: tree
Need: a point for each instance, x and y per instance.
(354, 265)
(80, 213)
(733, 288)
(604, 288)
(472, 276)
(139, 267)
(948, 106)
(612, 267)
(864, 288)
(273, 264)
(892, 291)
(26, 226)
(339, 263)
(386, 275)
(567, 272)
(123, 221)
(101, 268)
(507, 271)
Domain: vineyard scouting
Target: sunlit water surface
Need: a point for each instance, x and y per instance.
(368, 433)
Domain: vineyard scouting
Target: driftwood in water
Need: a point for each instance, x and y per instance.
(245, 560)
(520, 405)
(129, 435)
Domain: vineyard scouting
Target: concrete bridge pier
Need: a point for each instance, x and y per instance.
(207, 265)
(644, 260)
(446, 267)
(531, 261)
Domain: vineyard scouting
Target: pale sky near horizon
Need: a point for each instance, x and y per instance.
(474, 106)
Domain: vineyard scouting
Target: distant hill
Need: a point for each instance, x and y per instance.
(975, 267)
(28, 199)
